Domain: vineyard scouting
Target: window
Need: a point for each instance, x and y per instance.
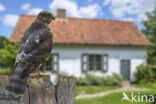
(94, 62)
(52, 64)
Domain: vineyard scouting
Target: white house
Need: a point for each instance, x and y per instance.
(97, 46)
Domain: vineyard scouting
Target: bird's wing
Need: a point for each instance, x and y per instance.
(36, 39)
(24, 37)
(36, 48)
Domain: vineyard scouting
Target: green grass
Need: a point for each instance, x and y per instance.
(114, 98)
(94, 89)
(146, 85)
(5, 72)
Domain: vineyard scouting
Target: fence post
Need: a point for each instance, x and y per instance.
(41, 91)
(66, 90)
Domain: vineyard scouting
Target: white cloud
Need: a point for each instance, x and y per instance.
(25, 7)
(2, 8)
(31, 11)
(73, 10)
(127, 19)
(10, 20)
(136, 8)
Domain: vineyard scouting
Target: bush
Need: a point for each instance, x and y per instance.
(154, 72)
(62, 74)
(94, 80)
(144, 73)
(83, 81)
(114, 79)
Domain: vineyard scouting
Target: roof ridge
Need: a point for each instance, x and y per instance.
(98, 19)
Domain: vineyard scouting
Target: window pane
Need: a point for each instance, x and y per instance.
(94, 62)
(91, 62)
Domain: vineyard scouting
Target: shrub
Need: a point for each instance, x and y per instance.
(94, 80)
(114, 79)
(62, 74)
(83, 81)
(144, 73)
(154, 72)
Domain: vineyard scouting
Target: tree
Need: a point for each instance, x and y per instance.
(150, 31)
(8, 53)
(2, 39)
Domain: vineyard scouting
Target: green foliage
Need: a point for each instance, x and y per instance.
(150, 31)
(83, 81)
(5, 72)
(149, 85)
(62, 74)
(48, 57)
(8, 53)
(154, 72)
(2, 39)
(94, 80)
(114, 79)
(149, 24)
(144, 73)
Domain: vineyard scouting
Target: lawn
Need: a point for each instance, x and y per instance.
(146, 85)
(93, 89)
(115, 98)
(5, 72)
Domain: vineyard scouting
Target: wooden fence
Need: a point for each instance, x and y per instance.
(41, 91)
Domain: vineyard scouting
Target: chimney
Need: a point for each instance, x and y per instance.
(61, 13)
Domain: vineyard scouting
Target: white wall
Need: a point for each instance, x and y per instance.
(70, 57)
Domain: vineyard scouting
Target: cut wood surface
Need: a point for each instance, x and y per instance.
(40, 90)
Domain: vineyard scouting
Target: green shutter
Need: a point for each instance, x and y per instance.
(55, 62)
(84, 63)
(104, 63)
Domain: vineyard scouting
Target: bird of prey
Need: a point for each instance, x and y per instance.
(35, 45)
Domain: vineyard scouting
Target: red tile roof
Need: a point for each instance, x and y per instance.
(87, 31)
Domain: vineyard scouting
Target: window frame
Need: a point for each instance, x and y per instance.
(102, 63)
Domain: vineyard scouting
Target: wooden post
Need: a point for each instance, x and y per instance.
(41, 91)
(66, 90)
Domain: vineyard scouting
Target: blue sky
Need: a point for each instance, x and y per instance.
(125, 10)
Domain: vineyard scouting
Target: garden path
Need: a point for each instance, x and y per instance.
(126, 87)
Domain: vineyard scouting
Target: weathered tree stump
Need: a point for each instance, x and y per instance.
(41, 91)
